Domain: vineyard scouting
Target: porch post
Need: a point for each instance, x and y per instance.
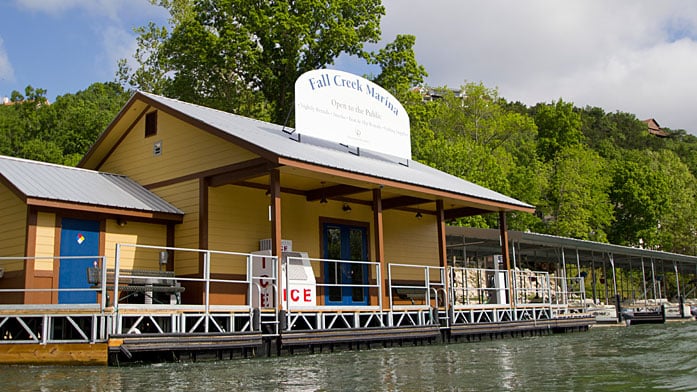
(276, 249)
(442, 246)
(503, 230)
(380, 246)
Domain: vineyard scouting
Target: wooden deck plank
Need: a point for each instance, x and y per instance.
(54, 354)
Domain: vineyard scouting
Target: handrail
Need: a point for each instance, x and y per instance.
(425, 285)
(98, 260)
(208, 257)
(375, 265)
(485, 289)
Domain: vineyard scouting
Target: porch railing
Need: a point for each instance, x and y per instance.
(323, 283)
(44, 296)
(570, 292)
(421, 286)
(478, 286)
(531, 287)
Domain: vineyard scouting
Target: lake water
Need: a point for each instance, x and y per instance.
(643, 357)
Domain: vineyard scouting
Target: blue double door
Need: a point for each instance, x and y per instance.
(345, 242)
(79, 246)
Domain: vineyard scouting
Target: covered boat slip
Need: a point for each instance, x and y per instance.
(614, 283)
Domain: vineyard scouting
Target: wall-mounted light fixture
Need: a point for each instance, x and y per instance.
(418, 215)
(121, 222)
(323, 200)
(346, 208)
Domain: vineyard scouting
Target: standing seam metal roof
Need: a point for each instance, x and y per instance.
(276, 139)
(69, 184)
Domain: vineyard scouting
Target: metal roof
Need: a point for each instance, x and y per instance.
(284, 142)
(48, 181)
(546, 246)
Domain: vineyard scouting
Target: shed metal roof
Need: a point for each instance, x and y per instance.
(284, 142)
(48, 181)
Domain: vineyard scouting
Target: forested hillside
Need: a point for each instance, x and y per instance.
(592, 175)
(62, 131)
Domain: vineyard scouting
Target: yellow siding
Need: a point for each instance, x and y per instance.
(239, 218)
(134, 233)
(13, 229)
(410, 241)
(185, 150)
(45, 240)
(185, 197)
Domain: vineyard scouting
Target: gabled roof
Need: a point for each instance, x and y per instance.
(655, 128)
(284, 146)
(40, 183)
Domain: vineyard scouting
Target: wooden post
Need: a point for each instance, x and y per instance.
(503, 230)
(276, 247)
(380, 244)
(442, 247)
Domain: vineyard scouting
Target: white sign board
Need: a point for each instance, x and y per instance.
(348, 109)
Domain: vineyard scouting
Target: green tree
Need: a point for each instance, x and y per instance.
(20, 121)
(61, 132)
(639, 194)
(677, 225)
(222, 53)
(558, 126)
(399, 69)
(470, 135)
(576, 203)
(75, 121)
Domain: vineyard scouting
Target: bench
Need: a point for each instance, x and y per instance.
(134, 282)
(415, 295)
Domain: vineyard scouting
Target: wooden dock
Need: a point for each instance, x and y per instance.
(54, 354)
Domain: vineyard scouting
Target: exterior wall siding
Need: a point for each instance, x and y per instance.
(139, 233)
(410, 241)
(185, 197)
(13, 229)
(185, 150)
(45, 241)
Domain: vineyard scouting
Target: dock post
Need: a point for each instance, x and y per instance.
(618, 301)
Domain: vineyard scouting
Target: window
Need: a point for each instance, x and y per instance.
(151, 124)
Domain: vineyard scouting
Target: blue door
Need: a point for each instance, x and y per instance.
(78, 238)
(344, 242)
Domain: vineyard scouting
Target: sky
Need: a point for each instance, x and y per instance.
(635, 56)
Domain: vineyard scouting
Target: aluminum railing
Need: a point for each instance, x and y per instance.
(13, 264)
(478, 286)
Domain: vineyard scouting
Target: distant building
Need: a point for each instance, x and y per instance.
(655, 129)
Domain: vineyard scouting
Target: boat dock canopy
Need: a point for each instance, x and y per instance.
(546, 247)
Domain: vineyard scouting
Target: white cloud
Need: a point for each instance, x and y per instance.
(629, 55)
(7, 73)
(117, 44)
